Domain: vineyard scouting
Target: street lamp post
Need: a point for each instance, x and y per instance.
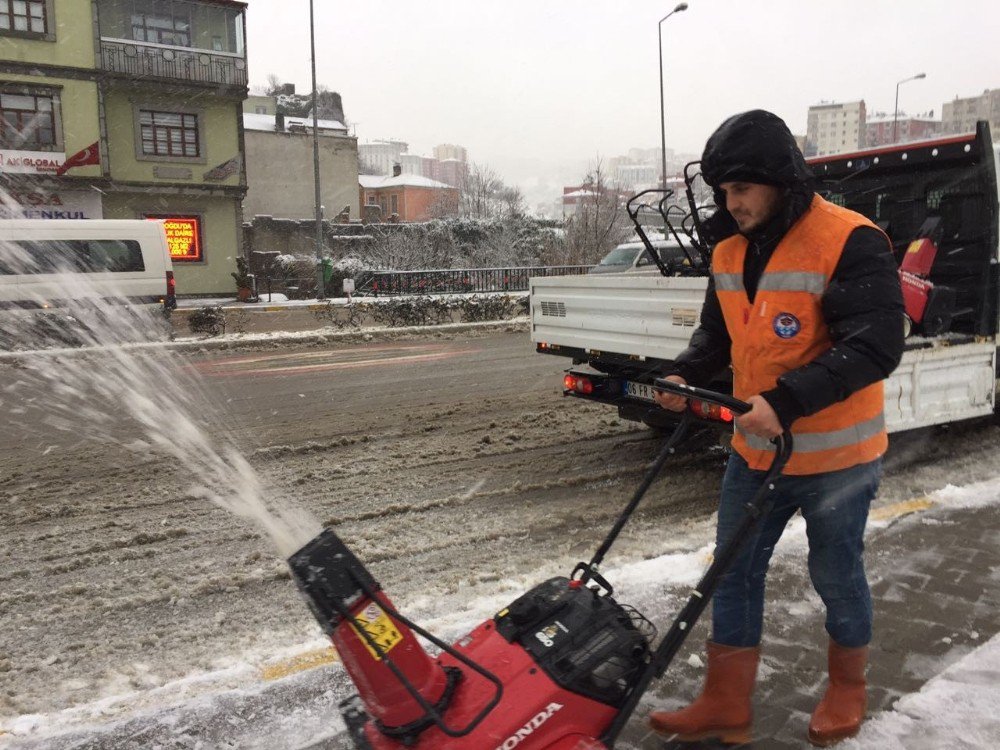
(663, 131)
(895, 111)
(320, 291)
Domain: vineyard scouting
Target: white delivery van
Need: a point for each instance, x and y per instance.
(46, 263)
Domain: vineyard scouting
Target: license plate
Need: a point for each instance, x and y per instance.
(640, 391)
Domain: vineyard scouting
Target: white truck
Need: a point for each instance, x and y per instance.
(937, 201)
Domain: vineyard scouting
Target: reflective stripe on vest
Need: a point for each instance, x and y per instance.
(810, 442)
(786, 281)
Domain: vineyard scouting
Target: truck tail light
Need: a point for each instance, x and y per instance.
(706, 410)
(579, 384)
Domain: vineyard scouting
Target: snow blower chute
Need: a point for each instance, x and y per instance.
(561, 668)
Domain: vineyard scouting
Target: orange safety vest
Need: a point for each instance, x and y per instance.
(784, 329)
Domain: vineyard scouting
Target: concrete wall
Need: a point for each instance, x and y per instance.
(280, 175)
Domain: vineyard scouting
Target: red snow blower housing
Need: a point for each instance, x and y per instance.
(929, 307)
(561, 668)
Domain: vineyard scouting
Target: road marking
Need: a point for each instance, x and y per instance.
(904, 508)
(299, 663)
(305, 362)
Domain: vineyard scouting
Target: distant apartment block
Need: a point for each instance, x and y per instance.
(380, 157)
(835, 127)
(636, 175)
(881, 130)
(450, 171)
(960, 115)
(450, 151)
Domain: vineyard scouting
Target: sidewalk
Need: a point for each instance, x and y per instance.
(934, 568)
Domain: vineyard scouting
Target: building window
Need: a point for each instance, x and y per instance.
(169, 133)
(174, 29)
(29, 120)
(24, 16)
(394, 203)
(260, 110)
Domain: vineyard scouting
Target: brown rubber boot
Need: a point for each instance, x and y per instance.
(722, 711)
(840, 713)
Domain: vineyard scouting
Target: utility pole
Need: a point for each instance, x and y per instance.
(663, 130)
(320, 291)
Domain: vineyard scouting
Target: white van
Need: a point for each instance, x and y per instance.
(116, 259)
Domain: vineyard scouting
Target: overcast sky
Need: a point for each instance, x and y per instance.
(531, 87)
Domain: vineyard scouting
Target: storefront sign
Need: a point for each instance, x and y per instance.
(30, 162)
(183, 236)
(39, 203)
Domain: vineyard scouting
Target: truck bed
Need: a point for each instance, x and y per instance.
(606, 320)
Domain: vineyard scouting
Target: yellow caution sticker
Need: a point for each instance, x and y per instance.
(379, 627)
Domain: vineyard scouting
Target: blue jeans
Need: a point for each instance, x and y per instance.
(835, 508)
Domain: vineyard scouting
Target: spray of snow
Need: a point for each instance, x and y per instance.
(85, 387)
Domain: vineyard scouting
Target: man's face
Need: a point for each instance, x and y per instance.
(751, 204)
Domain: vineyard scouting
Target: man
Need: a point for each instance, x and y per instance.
(804, 303)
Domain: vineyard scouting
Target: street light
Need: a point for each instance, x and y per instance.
(663, 131)
(895, 111)
(320, 292)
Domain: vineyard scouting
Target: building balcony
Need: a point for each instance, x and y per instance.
(197, 41)
(168, 62)
(157, 61)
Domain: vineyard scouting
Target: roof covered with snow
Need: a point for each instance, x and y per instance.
(267, 122)
(375, 181)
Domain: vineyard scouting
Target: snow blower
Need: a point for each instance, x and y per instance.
(561, 668)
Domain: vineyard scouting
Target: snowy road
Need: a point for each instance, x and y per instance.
(449, 463)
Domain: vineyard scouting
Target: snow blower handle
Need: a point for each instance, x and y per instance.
(700, 394)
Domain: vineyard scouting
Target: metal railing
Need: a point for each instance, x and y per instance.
(143, 60)
(456, 281)
(389, 283)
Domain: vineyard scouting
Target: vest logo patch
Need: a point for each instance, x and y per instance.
(786, 325)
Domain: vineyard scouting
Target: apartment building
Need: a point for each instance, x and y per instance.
(380, 157)
(140, 118)
(961, 115)
(835, 127)
(884, 129)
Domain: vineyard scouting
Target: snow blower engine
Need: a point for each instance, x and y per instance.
(561, 668)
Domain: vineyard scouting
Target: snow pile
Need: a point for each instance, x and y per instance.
(955, 709)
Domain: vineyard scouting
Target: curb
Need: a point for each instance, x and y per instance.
(327, 335)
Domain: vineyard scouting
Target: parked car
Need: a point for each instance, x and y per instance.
(633, 257)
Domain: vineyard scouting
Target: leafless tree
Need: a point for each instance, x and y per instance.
(394, 249)
(600, 221)
(483, 195)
